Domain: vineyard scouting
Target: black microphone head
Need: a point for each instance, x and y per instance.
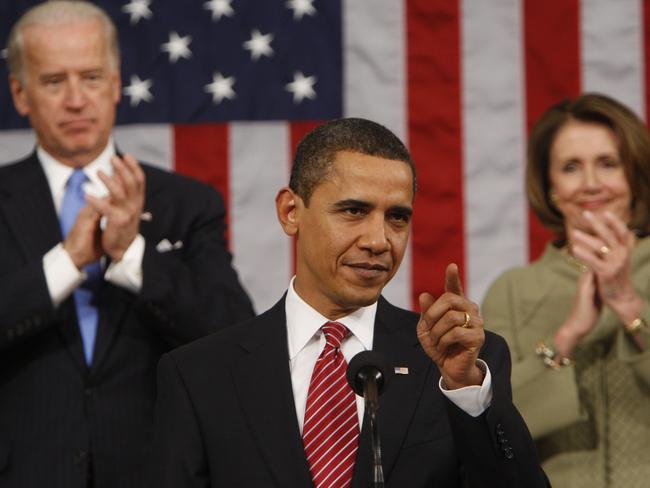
(368, 363)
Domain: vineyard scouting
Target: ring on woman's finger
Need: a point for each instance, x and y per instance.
(467, 319)
(604, 250)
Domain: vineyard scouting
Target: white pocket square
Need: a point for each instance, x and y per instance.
(165, 245)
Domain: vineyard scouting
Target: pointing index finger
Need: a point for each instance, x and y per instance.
(452, 280)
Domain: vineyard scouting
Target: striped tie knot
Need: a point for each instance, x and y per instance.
(334, 332)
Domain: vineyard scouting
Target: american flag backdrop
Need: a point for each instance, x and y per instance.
(223, 89)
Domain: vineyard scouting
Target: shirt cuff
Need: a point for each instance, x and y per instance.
(127, 273)
(61, 274)
(473, 400)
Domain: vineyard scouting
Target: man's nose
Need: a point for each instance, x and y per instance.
(374, 237)
(75, 95)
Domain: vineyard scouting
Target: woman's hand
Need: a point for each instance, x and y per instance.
(582, 318)
(607, 251)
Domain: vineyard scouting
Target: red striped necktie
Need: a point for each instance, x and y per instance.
(331, 427)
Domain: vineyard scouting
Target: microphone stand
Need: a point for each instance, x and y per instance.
(371, 400)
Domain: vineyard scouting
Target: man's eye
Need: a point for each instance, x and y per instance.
(92, 77)
(400, 217)
(353, 211)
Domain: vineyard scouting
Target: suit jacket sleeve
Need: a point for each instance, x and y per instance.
(192, 291)
(25, 304)
(496, 448)
(177, 447)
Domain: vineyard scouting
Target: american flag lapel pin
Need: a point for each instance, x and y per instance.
(401, 370)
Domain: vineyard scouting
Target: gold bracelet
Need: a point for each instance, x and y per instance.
(636, 326)
(549, 357)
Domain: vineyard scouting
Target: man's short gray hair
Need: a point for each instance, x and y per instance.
(57, 12)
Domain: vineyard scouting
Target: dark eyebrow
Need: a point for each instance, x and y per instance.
(351, 202)
(401, 209)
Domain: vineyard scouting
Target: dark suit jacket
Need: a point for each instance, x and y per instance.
(225, 416)
(57, 416)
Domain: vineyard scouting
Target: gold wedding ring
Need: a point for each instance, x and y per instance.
(467, 319)
(604, 250)
(636, 326)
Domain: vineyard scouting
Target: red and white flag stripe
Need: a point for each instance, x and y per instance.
(461, 81)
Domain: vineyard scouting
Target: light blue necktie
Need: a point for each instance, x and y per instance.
(85, 296)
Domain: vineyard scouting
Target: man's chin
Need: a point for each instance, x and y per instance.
(82, 150)
(364, 297)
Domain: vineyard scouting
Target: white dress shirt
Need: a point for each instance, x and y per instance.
(306, 341)
(61, 275)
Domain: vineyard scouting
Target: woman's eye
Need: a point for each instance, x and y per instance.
(569, 167)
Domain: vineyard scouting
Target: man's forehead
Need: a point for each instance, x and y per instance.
(364, 177)
(352, 162)
(363, 163)
(45, 29)
(66, 35)
(59, 43)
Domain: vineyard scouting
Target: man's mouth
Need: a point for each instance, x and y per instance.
(369, 270)
(76, 125)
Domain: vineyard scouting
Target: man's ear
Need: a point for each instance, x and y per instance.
(117, 86)
(18, 95)
(287, 207)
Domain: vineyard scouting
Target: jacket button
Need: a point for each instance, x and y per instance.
(507, 452)
(80, 456)
(500, 430)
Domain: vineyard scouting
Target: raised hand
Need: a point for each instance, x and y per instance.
(607, 252)
(123, 206)
(451, 333)
(83, 241)
(582, 318)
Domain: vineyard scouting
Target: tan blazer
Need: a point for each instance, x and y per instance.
(579, 415)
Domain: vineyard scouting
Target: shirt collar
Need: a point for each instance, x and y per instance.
(57, 173)
(303, 322)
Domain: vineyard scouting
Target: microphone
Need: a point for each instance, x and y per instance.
(368, 374)
(363, 367)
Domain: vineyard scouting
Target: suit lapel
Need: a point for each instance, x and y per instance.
(263, 382)
(29, 210)
(396, 340)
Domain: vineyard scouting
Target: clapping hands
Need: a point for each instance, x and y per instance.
(605, 249)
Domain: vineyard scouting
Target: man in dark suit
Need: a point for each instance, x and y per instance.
(93, 291)
(263, 403)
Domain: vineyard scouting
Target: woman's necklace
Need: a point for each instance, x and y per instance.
(568, 257)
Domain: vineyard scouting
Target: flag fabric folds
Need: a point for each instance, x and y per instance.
(222, 90)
